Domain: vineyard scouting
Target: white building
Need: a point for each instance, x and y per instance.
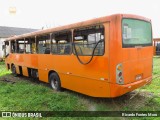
(6, 32)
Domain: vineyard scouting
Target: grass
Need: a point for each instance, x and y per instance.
(29, 96)
(3, 71)
(24, 94)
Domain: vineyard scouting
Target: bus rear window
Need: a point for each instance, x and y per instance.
(136, 33)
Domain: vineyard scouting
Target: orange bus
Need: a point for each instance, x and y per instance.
(102, 57)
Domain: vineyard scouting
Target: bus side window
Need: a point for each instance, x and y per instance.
(43, 44)
(20, 48)
(61, 43)
(31, 46)
(17, 46)
(13, 48)
(28, 46)
(86, 39)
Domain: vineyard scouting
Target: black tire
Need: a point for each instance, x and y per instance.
(55, 82)
(13, 69)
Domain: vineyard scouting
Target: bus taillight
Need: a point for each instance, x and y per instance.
(119, 74)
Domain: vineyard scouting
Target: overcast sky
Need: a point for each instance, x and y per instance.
(52, 13)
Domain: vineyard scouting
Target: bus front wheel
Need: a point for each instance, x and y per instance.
(55, 81)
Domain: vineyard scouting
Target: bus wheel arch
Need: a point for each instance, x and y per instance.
(54, 80)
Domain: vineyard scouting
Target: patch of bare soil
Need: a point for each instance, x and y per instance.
(13, 79)
(134, 100)
(8, 78)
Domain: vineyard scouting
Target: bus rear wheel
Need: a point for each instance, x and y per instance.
(13, 69)
(55, 81)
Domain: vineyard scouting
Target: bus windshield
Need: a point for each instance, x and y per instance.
(136, 33)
